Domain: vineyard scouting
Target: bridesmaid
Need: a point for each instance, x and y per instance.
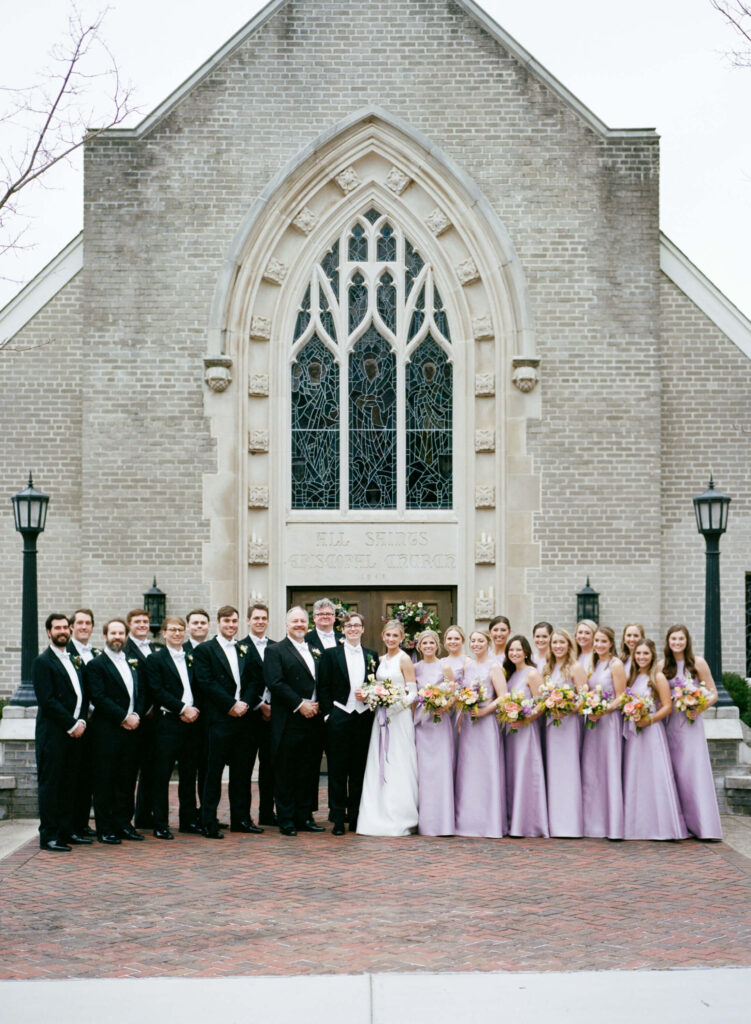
(562, 743)
(584, 636)
(686, 739)
(541, 633)
(525, 772)
(435, 743)
(480, 790)
(500, 630)
(633, 632)
(454, 640)
(651, 809)
(602, 747)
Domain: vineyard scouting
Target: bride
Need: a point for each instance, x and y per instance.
(389, 802)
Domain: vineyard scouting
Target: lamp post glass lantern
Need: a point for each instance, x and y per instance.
(30, 514)
(155, 603)
(711, 510)
(588, 603)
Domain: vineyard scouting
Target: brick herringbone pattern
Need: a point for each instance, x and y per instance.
(320, 904)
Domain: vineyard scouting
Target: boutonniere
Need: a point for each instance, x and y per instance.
(242, 650)
(371, 666)
(189, 660)
(76, 659)
(340, 639)
(315, 652)
(133, 662)
(96, 651)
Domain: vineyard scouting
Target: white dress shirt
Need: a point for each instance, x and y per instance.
(143, 646)
(307, 657)
(121, 664)
(327, 639)
(356, 671)
(84, 650)
(64, 657)
(261, 643)
(178, 656)
(229, 648)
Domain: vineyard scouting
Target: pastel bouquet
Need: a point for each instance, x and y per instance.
(634, 707)
(468, 699)
(514, 709)
(435, 701)
(692, 696)
(558, 700)
(384, 693)
(594, 702)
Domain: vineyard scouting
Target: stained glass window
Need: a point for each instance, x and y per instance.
(428, 422)
(371, 377)
(315, 427)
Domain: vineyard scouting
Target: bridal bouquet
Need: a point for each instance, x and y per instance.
(469, 698)
(384, 693)
(558, 701)
(634, 707)
(594, 702)
(691, 696)
(515, 708)
(435, 701)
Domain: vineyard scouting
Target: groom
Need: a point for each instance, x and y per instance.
(342, 673)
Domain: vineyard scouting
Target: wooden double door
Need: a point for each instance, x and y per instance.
(377, 604)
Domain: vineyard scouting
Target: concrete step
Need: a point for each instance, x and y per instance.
(7, 782)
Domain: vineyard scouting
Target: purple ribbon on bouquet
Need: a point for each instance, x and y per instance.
(629, 729)
(383, 742)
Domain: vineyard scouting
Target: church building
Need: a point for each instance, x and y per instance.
(373, 307)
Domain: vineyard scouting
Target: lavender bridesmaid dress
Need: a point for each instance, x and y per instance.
(480, 791)
(563, 773)
(692, 770)
(650, 801)
(602, 766)
(436, 744)
(525, 772)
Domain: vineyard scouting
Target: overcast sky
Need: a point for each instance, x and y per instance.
(645, 63)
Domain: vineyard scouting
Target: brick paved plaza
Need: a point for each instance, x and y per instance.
(269, 905)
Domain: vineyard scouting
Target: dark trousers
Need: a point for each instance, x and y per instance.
(59, 760)
(145, 794)
(297, 763)
(177, 742)
(260, 738)
(348, 739)
(229, 744)
(84, 796)
(116, 753)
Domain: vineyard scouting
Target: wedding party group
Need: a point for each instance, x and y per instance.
(484, 735)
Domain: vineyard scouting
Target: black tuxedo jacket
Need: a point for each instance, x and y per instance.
(253, 670)
(108, 693)
(56, 698)
(73, 650)
(214, 680)
(333, 677)
(290, 682)
(313, 640)
(165, 684)
(132, 650)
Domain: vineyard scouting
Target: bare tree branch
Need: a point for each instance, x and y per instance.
(737, 14)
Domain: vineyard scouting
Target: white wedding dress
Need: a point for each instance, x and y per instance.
(389, 808)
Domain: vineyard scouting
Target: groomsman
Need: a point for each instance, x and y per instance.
(260, 710)
(81, 624)
(62, 708)
(117, 693)
(198, 623)
(290, 670)
(139, 646)
(341, 675)
(323, 636)
(178, 738)
(224, 693)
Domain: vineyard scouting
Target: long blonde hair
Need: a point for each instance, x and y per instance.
(570, 661)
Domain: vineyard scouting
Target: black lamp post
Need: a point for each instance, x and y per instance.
(588, 603)
(30, 511)
(155, 603)
(711, 510)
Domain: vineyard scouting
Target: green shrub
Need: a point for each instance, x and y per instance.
(3, 702)
(740, 694)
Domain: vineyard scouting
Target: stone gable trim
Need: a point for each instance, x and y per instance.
(41, 288)
(473, 10)
(700, 290)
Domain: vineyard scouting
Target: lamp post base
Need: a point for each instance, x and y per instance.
(23, 696)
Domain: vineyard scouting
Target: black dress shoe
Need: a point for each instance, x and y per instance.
(130, 833)
(338, 829)
(273, 820)
(109, 839)
(193, 830)
(213, 833)
(87, 831)
(55, 846)
(246, 826)
(288, 830)
(162, 833)
(222, 824)
(75, 839)
(310, 826)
